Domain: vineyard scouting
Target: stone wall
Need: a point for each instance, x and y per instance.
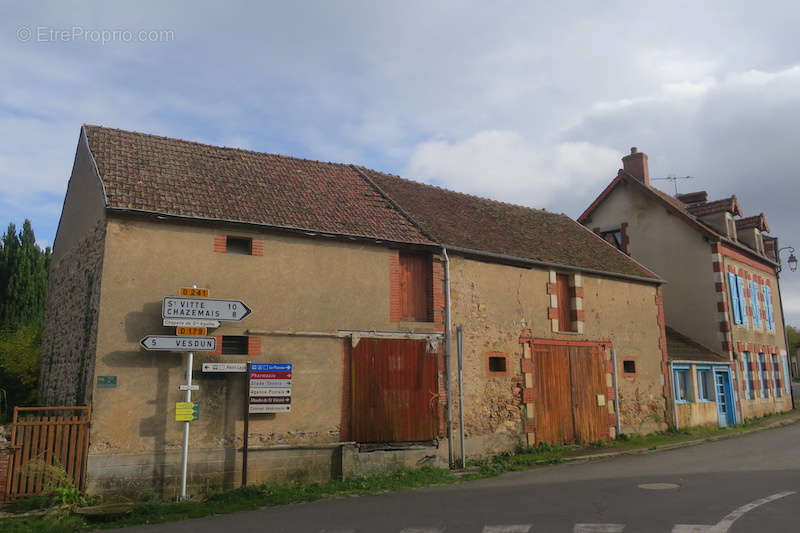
(69, 338)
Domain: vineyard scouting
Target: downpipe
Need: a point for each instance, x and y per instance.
(448, 342)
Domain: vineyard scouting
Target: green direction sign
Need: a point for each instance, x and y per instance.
(106, 382)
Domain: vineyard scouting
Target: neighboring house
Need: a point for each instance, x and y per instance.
(721, 294)
(345, 270)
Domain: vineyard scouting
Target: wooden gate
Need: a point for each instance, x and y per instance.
(395, 395)
(47, 436)
(567, 382)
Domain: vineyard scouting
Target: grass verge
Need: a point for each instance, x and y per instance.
(61, 519)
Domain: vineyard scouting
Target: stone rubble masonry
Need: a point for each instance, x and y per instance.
(69, 339)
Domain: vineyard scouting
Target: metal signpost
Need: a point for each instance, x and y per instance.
(270, 388)
(192, 313)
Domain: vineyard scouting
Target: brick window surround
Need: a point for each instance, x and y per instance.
(253, 346)
(494, 358)
(629, 369)
(403, 274)
(566, 302)
(221, 244)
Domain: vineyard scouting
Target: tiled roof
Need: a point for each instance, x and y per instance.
(170, 176)
(730, 204)
(688, 198)
(474, 223)
(690, 213)
(758, 221)
(682, 348)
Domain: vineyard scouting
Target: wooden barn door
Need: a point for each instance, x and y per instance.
(553, 402)
(588, 381)
(394, 391)
(567, 382)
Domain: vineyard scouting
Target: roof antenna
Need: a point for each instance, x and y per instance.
(674, 180)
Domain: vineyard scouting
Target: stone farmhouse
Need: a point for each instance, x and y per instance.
(359, 279)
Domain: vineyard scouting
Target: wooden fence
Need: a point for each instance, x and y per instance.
(46, 437)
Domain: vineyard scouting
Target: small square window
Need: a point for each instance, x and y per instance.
(234, 345)
(629, 366)
(497, 364)
(239, 245)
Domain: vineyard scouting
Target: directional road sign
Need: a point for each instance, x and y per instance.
(173, 343)
(191, 323)
(206, 308)
(194, 292)
(224, 367)
(187, 411)
(183, 331)
(270, 388)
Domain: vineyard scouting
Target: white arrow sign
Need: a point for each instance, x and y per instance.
(191, 323)
(172, 343)
(224, 367)
(205, 308)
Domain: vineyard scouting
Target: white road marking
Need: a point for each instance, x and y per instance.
(727, 521)
(511, 528)
(725, 524)
(598, 528)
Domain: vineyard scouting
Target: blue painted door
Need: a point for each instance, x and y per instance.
(725, 407)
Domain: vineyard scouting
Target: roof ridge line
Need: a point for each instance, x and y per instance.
(469, 195)
(394, 203)
(215, 146)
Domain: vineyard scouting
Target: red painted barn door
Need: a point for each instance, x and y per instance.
(394, 391)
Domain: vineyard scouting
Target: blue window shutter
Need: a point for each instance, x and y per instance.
(787, 379)
(754, 304)
(742, 306)
(768, 307)
(737, 315)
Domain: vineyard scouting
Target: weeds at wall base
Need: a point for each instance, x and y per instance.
(270, 494)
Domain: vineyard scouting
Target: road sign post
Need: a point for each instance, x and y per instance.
(188, 399)
(246, 438)
(192, 312)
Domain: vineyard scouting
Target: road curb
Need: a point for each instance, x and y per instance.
(678, 445)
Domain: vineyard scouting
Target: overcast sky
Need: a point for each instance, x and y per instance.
(529, 102)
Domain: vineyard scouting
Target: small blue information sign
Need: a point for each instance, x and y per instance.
(270, 367)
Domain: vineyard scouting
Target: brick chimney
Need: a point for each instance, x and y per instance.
(635, 164)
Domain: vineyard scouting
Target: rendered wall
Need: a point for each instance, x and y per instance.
(674, 250)
(750, 338)
(495, 303)
(299, 284)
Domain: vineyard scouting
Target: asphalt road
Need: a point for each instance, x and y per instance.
(715, 483)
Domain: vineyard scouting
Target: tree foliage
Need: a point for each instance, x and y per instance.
(23, 291)
(793, 335)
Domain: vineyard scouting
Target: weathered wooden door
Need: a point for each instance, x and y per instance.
(588, 385)
(553, 403)
(568, 383)
(394, 391)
